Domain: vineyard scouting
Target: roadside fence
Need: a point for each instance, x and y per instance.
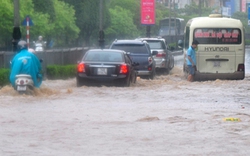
(49, 57)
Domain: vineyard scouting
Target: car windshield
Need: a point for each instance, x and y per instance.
(155, 44)
(101, 56)
(133, 48)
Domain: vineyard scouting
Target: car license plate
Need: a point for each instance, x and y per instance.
(102, 71)
(21, 88)
(216, 63)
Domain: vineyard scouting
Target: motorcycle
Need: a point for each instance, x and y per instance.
(24, 83)
(39, 46)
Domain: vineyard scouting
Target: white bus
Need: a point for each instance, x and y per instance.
(221, 48)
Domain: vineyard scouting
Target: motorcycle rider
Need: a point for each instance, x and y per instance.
(25, 62)
(40, 40)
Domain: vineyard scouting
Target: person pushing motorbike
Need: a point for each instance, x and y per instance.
(25, 62)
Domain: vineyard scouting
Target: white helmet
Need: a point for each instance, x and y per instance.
(22, 45)
(40, 37)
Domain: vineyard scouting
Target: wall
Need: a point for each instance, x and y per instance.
(50, 57)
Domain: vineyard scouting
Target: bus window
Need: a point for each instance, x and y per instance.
(217, 36)
(186, 38)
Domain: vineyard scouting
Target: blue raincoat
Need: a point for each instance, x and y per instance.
(26, 62)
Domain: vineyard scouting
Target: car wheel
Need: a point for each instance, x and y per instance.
(133, 78)
(79, 82)
(124, 82)
(166, 71)
(152, 75)
(171, 64)
(127, 82)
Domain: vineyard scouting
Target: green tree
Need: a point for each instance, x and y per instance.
(122, 25)
(63, 28)
(88, 19)
(45, 6)
(243, 17)
(134, 7)
(40, 20)
(6, 22)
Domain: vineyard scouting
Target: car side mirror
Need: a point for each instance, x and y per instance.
(180, 43)
(135, 64)
(128, 53)
(172, 48)
(154, 52)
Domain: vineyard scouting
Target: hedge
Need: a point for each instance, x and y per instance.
(4, 76)
(53, 72)
(61, 72)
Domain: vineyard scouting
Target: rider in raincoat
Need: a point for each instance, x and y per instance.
(25, 62)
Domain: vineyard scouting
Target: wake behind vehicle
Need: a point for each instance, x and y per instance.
(139, 51)
(106, 66)
(164, 58)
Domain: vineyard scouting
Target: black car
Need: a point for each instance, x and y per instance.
(139, 51)
(106, 66)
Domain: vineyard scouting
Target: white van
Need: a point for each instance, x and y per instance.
(221, 49)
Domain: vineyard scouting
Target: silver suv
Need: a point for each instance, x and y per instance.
(164, 59)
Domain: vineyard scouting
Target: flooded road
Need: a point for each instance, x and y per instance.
(165, 116)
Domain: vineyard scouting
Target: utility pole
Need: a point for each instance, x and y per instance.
(169, 21)
(175, 25)
(200, 8)
(16, 36)
(101, 32)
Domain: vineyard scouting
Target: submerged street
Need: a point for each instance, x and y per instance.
(165, 116)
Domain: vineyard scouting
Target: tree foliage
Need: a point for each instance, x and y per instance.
(122, 25)
(45, 6)
(77, 22)
(242, 16)
(88, 19)
(193, 10)
(61, 26)
(6, 22)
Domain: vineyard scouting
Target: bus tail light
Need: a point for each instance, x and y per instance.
(241, 67)
(123, 69)
(80, 68)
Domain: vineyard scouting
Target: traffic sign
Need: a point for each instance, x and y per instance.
(248, 6)
(27, 21)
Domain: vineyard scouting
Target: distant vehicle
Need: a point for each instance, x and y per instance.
(172, 30)
(221, 49)
(39, 46)
(172, 27)
(164, 58)
(140, 52)
(106, 66)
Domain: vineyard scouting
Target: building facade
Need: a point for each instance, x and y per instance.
(226, 7)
